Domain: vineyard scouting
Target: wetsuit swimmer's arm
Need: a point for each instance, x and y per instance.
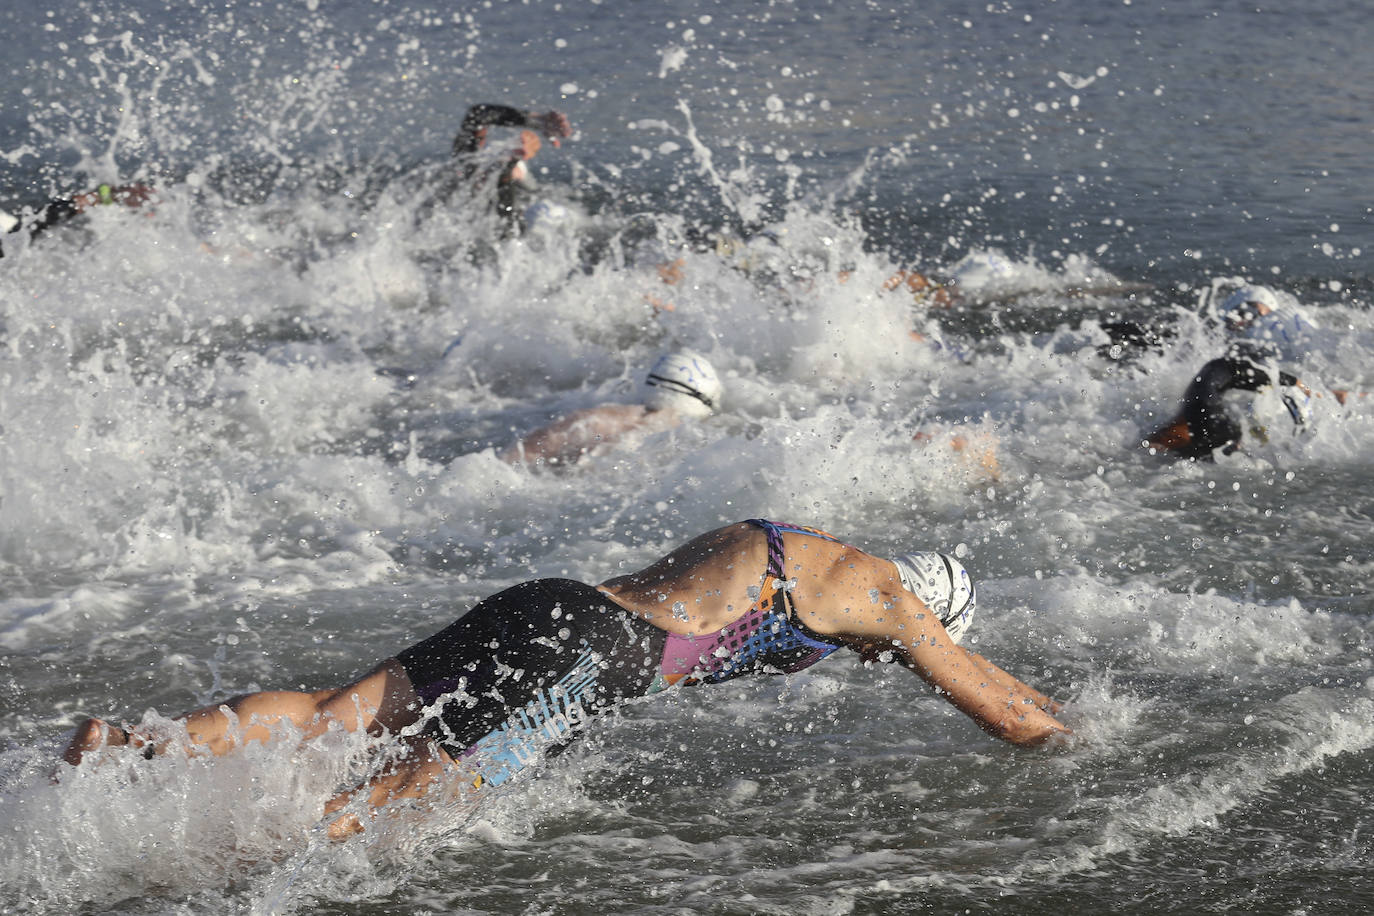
(1246, 376)
(473, 130)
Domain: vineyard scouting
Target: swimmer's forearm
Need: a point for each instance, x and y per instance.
(1011, 716)
(1000, 704)
(1008, 681)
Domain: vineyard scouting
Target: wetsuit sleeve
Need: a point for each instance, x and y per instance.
(1288, 379)
(1244, 376)
(56, 211)
(481, 116)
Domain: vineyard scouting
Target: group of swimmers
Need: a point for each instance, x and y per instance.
(1204, 424)
(501, 175)
(525, 670)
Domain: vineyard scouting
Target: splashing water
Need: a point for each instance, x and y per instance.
(249, 435)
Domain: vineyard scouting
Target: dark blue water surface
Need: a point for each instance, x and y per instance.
(1169, 136)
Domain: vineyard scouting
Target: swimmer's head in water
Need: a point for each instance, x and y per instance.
(1247, 304)
(943, 585)
(684, 381)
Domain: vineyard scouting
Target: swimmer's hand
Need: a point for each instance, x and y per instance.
(554, 124)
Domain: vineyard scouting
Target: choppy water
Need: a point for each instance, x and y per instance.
(207, 487)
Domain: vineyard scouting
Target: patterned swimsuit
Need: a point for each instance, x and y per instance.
(768, 639)
(524, 670)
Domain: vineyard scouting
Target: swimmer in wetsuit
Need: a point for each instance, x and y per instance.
(1256, 315)
(513, 180)
(64, 209)
(524, 670)
(1204, 423)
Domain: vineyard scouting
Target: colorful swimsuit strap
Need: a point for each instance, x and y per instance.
(773, 531)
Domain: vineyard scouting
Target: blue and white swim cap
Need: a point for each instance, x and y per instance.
(943, 585)
(684, 381)
(1246, 295)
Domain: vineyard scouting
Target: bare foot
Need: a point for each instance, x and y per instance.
(92, 735)
(95, 734)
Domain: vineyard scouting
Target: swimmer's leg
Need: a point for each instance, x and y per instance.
(382, 698)
(413, 774)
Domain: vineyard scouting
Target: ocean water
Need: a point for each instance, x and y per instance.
(248, 440)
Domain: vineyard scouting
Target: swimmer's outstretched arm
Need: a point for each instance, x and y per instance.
(1009, 682)
(852, 594)
(569, 437)
(1002, 705)
(994, 674)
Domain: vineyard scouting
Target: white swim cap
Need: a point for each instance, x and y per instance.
(943, 585)
(684, 381)
(1247, 294)
(7, 222)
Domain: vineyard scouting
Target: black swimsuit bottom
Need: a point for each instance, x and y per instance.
(526, 667)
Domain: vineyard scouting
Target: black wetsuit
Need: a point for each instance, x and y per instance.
(472, 134)
(1210, 425)
(52, 213)
(521, 673)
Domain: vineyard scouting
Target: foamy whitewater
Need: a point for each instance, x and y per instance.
(249, 437)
